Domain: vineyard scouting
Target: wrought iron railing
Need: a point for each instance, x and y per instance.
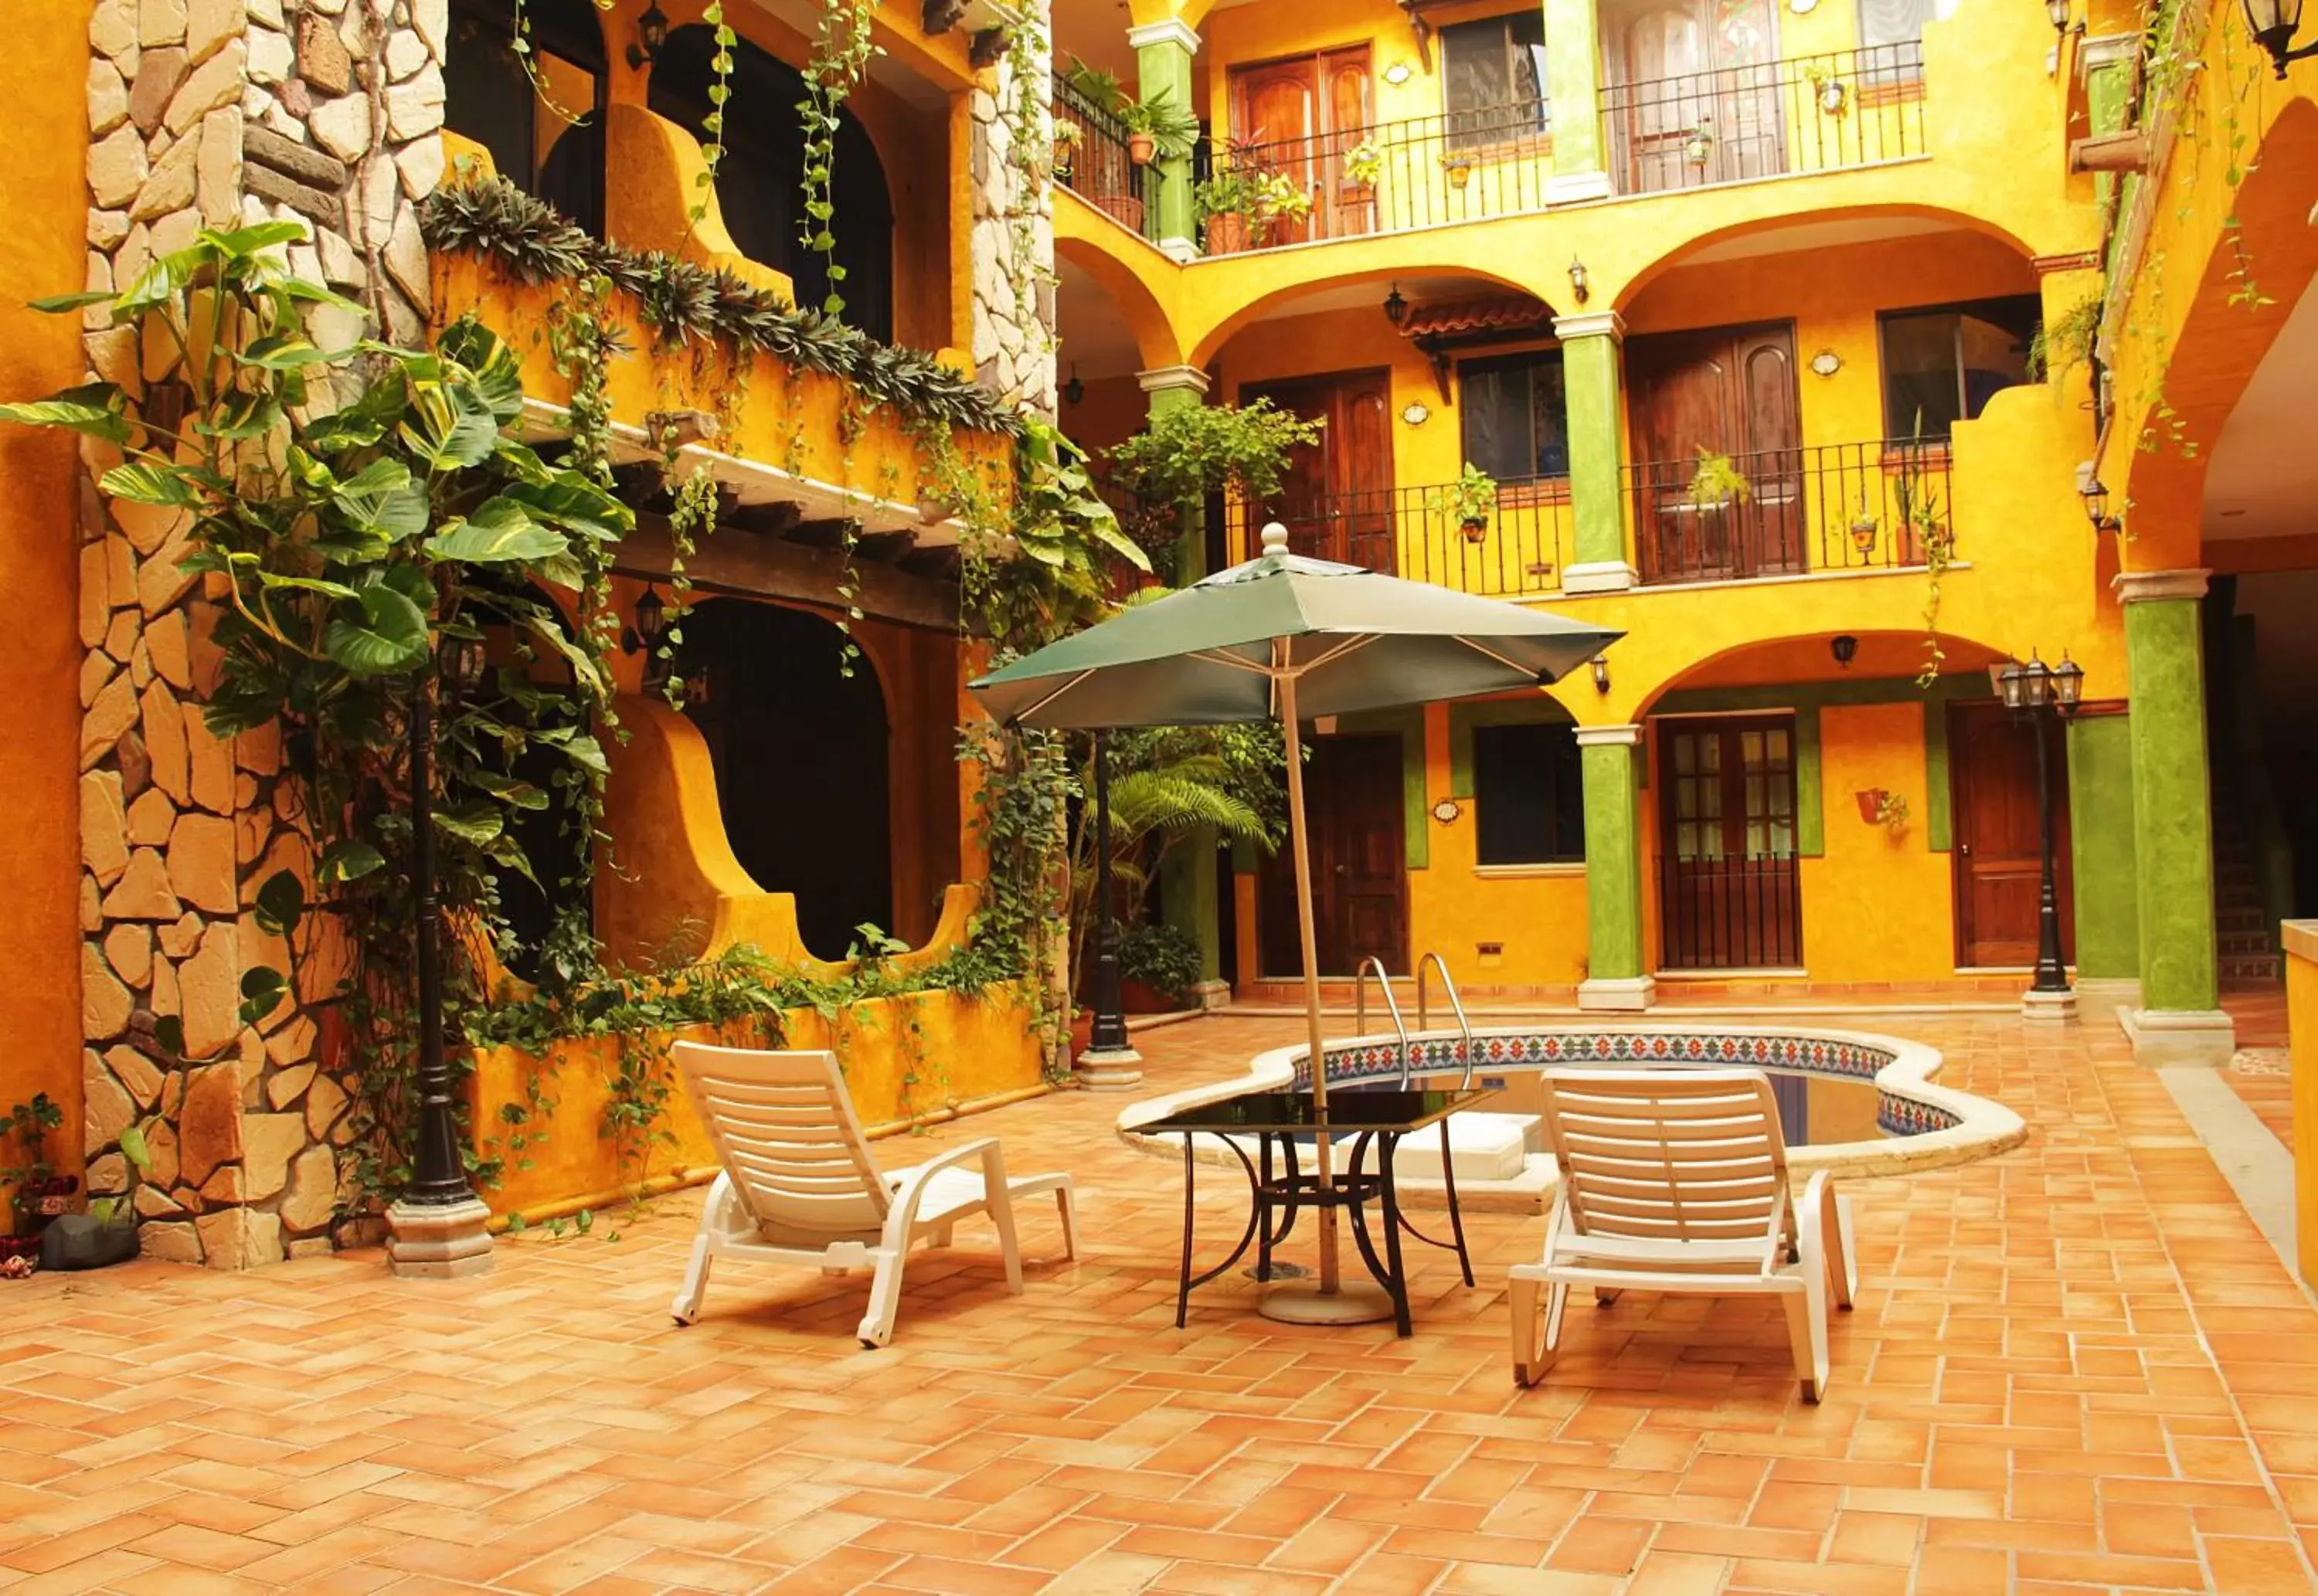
(1095, 164)
(1464, 165)
(1807, 113)
(1780, 512)
(1740, 911)
(1519, 547)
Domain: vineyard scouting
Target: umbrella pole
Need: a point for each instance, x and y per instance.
(1330, 1304)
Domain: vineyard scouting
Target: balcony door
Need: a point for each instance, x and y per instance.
(1336, 497)
(1300, 117)
(1728, 894)
(1694, 84)
(1721, 394)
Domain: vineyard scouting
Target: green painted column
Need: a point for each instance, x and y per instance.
(1189, 895)
(1163, 60)
(1573, 74)
(2179, 1020)
(2100, 847)
(1590, 362)
(1616, 973)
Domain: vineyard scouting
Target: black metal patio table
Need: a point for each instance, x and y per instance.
(1280, 1120)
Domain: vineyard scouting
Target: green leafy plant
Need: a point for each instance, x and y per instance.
(2058, 345)
(1163, 957)
(1364, 163)
(842, 50)
(1227, 191)
(1183, 456)
(1717, 481)
(1173, 129)
(134, 1151)
(29, 1125)
(1469, 501)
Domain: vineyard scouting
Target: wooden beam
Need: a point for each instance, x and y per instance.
(819, 534)
(766, 520)
(777, 567)
(884, 546)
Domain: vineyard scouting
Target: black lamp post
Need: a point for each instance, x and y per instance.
(651, 34)
(2042, 693)
(438, 1175)
(1110, 1034)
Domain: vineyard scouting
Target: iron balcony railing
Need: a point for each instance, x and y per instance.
(1807, 113)
(1520, 547)
(1736, 911)
(1391, 177)
(1780, 512)
(1096, 166)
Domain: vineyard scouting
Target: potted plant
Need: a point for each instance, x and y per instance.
(1699, 148)
(1278, 198)
(1460, 167)
(1224, 199)
(1469, 501)
(1363, 164)
(1717, 481)
(1880, 807)
(1067, 134)
(1157, 127)
(1831, 92)
(1863, 528)
(41, 1193)
(1158, 964)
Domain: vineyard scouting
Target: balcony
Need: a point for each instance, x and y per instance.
(1098, 169)
(1741, 124)
(1863, 506)
(1521, 548)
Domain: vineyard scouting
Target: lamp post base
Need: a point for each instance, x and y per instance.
(1304, 1303)
(1109, 1069)
(2049, 1007)
(438, 1241)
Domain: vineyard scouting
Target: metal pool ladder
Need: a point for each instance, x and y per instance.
(1399, 1028)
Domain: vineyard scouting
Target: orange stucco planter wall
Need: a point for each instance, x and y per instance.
(969, 1053)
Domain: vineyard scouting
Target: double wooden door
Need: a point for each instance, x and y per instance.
(1716, 393)
(1336, 497)
(1998, 869)
(1300, 117)
(1695, 96)
(1354, 819)
(1729, 897)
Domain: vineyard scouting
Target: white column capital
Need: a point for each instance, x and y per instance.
(1592, 324)
(1609, 736)
(1173, 29)
(1159, 379)
(2143, 586)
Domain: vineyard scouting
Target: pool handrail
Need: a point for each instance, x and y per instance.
(1456, 1005)
(1361, 1013)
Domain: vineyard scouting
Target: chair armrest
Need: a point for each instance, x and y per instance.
(1810, 1216)
(899, 1217)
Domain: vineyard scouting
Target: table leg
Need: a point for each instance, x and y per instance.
(1263, 1228)
(1295, 1174)
(1399, 1284)
(1456, 1217)
(1184, 1283)
(1354, 1201)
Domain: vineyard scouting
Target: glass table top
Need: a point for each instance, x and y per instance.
(1292, 1112)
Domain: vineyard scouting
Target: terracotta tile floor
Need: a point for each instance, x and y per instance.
(2074, 1368)
(2259, 1073)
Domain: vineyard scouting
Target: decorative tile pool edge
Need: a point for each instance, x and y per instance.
(1931, 1127)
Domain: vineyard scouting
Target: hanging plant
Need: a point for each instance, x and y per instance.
(842, 50)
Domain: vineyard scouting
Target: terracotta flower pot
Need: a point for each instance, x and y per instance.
(1140, 997)
(1081, 1031)
(1475, 527)
(1226, 233)
(1141, 147)
(1871, 803)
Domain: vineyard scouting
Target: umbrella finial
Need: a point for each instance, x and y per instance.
(1275, 538)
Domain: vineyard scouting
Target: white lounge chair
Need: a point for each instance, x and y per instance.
(1675, 1179)
(799, 1184)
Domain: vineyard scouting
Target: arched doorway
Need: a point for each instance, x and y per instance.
(758, 181)
(491, 99)
(800, 755)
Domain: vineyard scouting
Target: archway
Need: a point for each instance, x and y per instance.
(757, 182)
(490, 98)
(801, 755)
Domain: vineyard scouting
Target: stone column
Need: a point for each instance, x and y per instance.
(2180, 1020)
(1012, 237)
(1163, 59)
(1590, 352)
(219, 113)
(1573, 72)
(1187, 876)
(1616, 974)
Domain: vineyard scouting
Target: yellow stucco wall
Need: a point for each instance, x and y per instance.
(1878, 905)
(42, 252)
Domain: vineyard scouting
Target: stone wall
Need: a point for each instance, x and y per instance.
(1013, 239)
(219, 113)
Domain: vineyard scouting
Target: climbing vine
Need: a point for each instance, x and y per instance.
(842, 50)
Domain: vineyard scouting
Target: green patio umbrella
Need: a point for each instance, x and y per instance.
(1279, 638)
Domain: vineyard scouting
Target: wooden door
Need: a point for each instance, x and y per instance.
(1730, 895)
(1336, 497)
(1298, 118)
(1693, 79)
(1723, 392)
(1360, 882)
(1992, 790)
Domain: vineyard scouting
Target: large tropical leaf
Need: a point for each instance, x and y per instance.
(390, 638)
(97, 409)
(450, 427)
(381, 499)
(500, 532)
(572, 502)
(152, 485)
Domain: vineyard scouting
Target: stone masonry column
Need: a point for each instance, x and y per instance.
(1163, 57)
(1590, 352)
(2180, 1020)
(1573, 73)
(1187, 876)
(1012, 240)
(1616, 976)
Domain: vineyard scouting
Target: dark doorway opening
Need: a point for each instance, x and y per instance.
(490, 98)
(757, 182)
(1354, 818)
(1730, 894)
(801, 757)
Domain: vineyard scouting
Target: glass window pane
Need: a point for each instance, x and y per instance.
(1685, 755)
(1892, 21)
(1521, 814)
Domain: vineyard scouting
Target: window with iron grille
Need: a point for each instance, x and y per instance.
(1493, 81)
(1529, 798)
(1515, 415)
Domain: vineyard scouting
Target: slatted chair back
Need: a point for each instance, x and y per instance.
(1681, 1167)
(784, 1127)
